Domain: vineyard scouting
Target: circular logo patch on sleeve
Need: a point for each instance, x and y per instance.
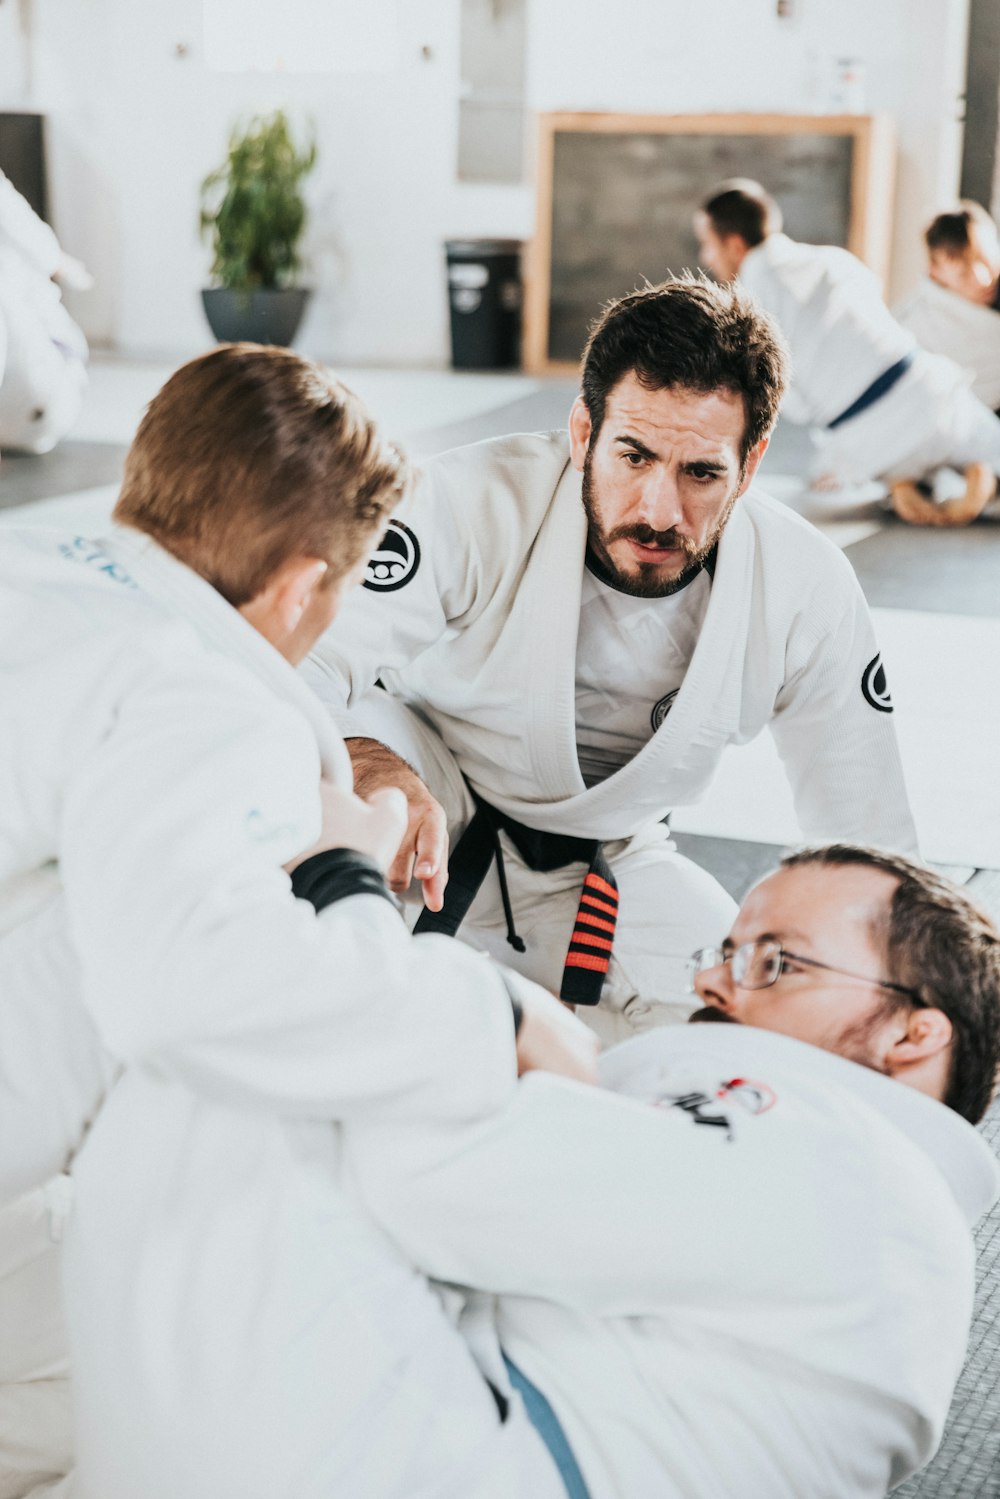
(875, 687)
(395, 560)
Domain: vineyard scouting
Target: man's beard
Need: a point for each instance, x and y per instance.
(647, 583)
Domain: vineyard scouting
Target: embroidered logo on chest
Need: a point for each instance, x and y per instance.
(711, 1109)
(395, 561)
(662, 708)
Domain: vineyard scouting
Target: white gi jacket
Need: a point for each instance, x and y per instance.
(842, 337)
(945, 323)
(159, 761)
(761, 1286)
(481, 635)
(42, 351)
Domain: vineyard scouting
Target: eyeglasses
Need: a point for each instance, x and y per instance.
(758, 965)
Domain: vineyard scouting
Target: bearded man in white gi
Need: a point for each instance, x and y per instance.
(749, 1273)
(882, 407)
(43, 354)
(572, 627)
(954, 309)
(160, 761)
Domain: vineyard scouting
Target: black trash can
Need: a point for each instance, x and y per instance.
(484, 296)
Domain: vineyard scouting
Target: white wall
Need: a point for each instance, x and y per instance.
(134, 127)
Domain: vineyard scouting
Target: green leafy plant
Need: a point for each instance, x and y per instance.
(252, 207)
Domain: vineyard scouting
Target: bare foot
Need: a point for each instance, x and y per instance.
(913, 505)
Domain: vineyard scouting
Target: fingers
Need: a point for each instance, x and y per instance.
(431, 860)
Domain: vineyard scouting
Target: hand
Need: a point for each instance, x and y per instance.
(374, 826)
(551, 1039)
(424, 849)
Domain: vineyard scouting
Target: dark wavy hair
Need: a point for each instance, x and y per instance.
(692, 334)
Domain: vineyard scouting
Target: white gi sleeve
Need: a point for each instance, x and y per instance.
(834, 730)
(197, 959)
(599, 1202)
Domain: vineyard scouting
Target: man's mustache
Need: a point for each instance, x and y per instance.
(710, 1015)
(647, 537)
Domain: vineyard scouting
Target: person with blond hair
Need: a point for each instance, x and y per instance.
(163, 771)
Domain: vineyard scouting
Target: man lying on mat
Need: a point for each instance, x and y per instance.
(745, 1268)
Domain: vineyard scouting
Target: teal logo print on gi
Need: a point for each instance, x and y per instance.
(395, 560)
(874, 686)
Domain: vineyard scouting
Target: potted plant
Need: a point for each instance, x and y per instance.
(253, 211)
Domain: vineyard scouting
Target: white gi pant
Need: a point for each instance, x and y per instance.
(36, 1440)
(668, 905)
(928, 420)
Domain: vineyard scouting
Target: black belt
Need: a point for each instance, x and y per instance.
(589, 954)
(875, 391)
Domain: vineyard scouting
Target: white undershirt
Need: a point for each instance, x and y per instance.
(631, 656)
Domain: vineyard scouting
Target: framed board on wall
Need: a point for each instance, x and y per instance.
(617, 194)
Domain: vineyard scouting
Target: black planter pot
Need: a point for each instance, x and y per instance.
(259, 317)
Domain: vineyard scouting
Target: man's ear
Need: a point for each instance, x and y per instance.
(277, 610)
(752, 463)
(294, 585)
(927, 1037)
(580, 428)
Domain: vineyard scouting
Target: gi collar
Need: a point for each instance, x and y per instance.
(171, 582)
(959, 1152)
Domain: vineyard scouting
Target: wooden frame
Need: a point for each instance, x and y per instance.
(871, 192)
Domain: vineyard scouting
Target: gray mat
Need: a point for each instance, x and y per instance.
(541, 411)
(967, 1465)
(736, 864)
(937, 572)
(72, 466)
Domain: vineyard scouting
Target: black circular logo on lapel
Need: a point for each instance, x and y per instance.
(395, 560)
(662, 708)
(875, 687)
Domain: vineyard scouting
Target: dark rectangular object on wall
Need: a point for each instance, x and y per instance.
(617, 193)
(22, 157)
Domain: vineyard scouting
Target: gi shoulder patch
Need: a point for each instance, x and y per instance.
(874, 686)
(395, 560)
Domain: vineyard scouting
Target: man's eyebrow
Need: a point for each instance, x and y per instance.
(788, 935)
(713, 465)
(633, 442)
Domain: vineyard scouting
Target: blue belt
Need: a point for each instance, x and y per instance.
(875, 391)
(545, 1421)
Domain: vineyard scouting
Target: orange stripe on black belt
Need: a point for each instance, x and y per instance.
(593, 904)
(589, 964)
(587, 939)
(606, 886)
(590, 948)
(596, 923)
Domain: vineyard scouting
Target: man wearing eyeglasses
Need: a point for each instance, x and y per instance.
(743, 1267)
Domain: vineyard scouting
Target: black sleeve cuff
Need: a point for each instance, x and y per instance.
(334, 875)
